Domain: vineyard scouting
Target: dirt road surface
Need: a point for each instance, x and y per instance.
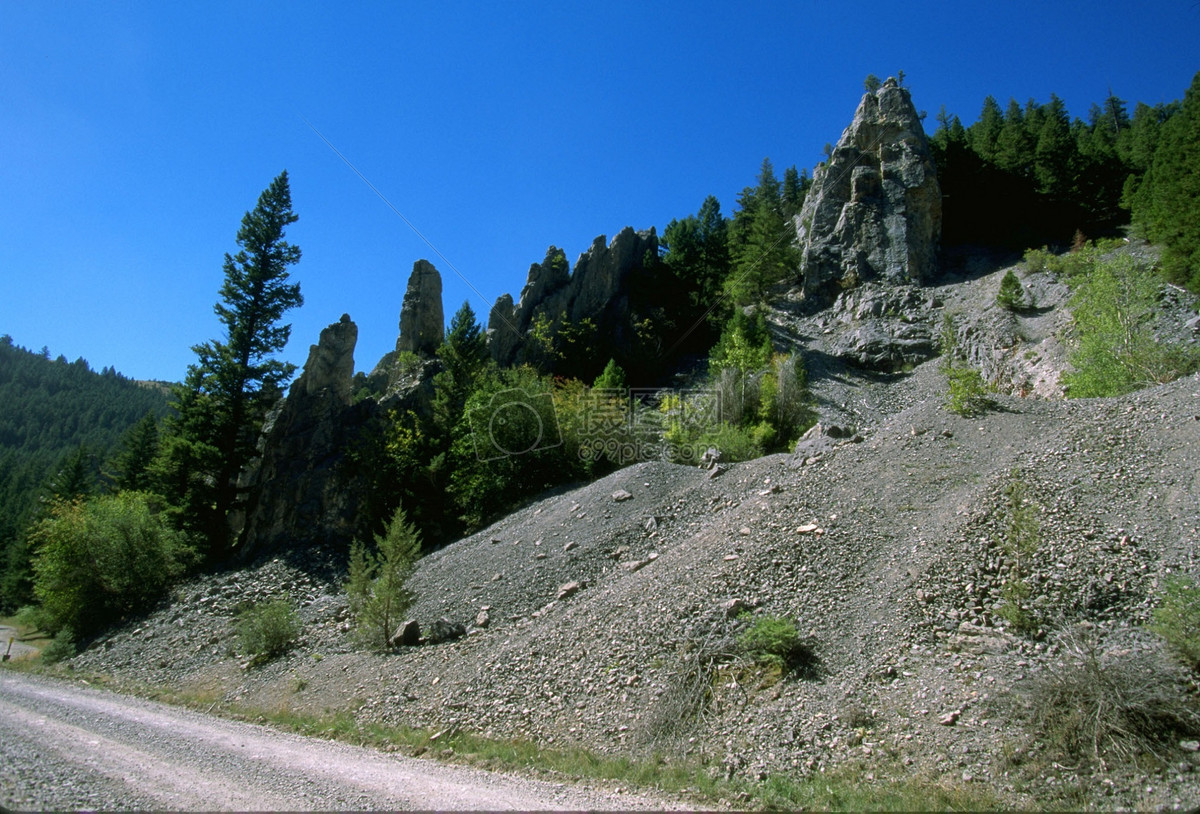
(65, 746)
(17, 649)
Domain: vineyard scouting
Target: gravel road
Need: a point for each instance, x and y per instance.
(63, 746)
(17, 648)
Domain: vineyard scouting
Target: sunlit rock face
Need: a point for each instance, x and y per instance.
(874, 211)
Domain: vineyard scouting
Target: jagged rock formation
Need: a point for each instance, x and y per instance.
(883, 327)
(597, 289)
(875, 208)
(422, 322)
(422, 327)
(299, 494)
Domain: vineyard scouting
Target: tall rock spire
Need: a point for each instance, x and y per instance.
(875, 208)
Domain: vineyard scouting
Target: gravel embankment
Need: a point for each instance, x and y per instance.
(887, 552)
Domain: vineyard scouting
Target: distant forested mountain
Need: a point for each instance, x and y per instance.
(59, 419)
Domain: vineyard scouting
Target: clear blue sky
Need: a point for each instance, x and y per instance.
(135, 135)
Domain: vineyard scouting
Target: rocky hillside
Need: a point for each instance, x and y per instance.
(603, 615)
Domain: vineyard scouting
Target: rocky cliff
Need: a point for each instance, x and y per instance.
(299, 494)
(874, 211)
(598, 289)
(422, 326)
(422, 321)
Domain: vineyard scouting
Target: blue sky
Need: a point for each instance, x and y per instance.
(135, 135)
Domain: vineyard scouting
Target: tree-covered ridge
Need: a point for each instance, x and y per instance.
(59, 421)
(1023, 175)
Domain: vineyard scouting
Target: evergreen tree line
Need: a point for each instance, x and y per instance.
(496, 437)
(1028, 174)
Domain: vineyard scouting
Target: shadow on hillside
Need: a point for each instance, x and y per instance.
(965, 262)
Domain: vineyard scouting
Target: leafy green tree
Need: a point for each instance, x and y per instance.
(508, 446)
(378, 580)
(745, 344)
(1113, 349)
(227, 392)
(785, 402)
(872, 83)
(98, 561)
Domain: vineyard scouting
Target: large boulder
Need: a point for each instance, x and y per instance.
(874, 211)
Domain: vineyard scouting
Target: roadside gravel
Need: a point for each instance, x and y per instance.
(71, 747)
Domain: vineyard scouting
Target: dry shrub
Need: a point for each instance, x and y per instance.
(1118, 703)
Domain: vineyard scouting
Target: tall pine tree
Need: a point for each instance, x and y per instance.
(223, 400)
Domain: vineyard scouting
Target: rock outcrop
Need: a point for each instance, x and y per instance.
(598, 290)
(300, 494)
(422, 328)
(422, 322)
(875, 208)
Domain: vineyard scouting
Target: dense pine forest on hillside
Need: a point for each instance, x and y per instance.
(60, 425)
(1019, 177)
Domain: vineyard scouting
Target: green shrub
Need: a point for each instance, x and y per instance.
(101, 560)
(268, 630)
(1177, 620)
(1113, 348)
(61, 648)
(377, 582)
(773, 641)
(966, 393)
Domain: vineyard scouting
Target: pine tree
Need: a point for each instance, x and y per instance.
(1165, 205)
(612, 379)
(1054, 150)
(464, 353)
(763, 240)
(223, 400)
(986, 130)
(1014, 146)
(378, 582)
(131, 465)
